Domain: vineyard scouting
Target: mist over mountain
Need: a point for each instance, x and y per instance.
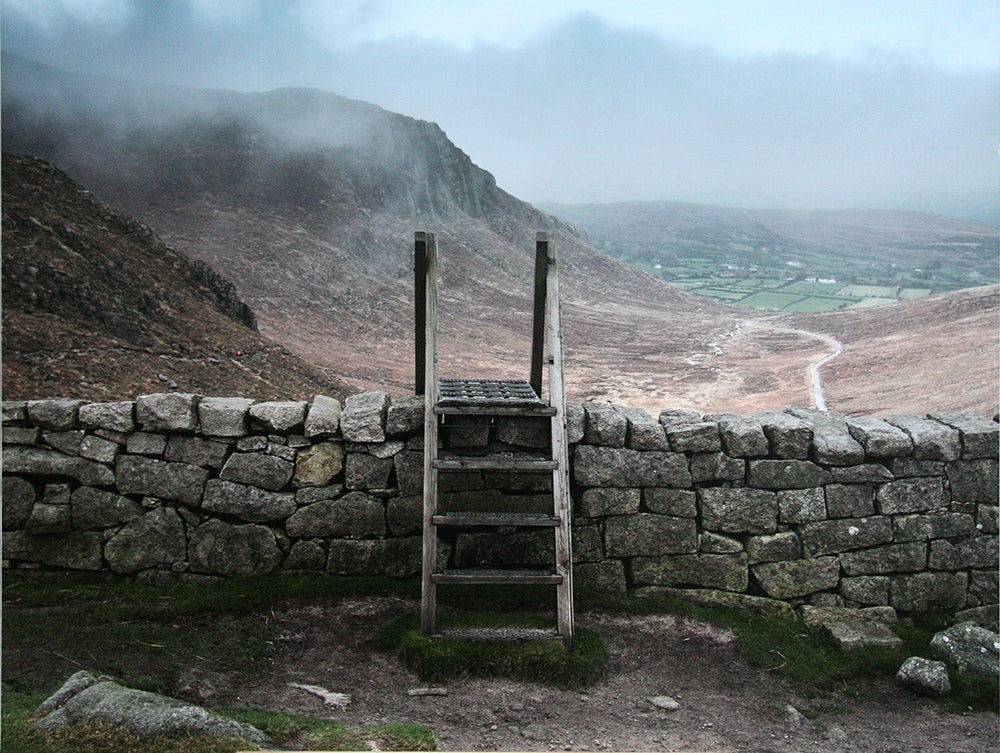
(307, 202)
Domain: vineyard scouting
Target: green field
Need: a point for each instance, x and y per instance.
(798, 296)
(869, 291)
(815, 303)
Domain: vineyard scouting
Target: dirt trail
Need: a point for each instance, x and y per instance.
(723, 704)
(812, 372)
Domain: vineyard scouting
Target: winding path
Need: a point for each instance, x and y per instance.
(813, 369)
(817, 386)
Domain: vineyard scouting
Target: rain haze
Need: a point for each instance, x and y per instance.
(766, 104)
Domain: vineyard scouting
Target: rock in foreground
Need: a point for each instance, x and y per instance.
(85, 697)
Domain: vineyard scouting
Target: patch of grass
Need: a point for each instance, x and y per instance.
(813, 662)
(543, 660)
(143, 653)
(142, 633)
(293, 729)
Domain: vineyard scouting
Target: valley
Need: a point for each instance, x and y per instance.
(794, 262)
(306, 204)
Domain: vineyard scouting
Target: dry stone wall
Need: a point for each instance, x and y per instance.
(801, 506)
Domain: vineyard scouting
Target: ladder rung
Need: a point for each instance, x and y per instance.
(495, 519)
(500, 635)
(477, 576)
(494, 464)
(482, 410)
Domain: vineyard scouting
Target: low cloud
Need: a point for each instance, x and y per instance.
(586, 112)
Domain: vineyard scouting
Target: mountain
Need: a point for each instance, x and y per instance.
(308, 201)
(95, 306)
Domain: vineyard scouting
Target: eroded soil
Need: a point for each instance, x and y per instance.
(724, 703)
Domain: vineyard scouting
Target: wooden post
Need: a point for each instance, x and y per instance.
(428, 601)
(419, 309)
(538, 312)
(560, 448)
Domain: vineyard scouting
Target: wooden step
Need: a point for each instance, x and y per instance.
(495, 519)
(499, 635)
(496, 410)
(487, 393)
(494, 463)
(477, 576)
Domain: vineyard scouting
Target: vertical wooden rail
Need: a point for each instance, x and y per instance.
(538, 312)
(428, 602)
(419, 309)
(560, 449)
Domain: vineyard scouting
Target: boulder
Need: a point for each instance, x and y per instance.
(785, 580)
(195, 451)
(405, 416)
(855, 629)
(354, 514)
(968, 649)
(727, 572)
(880, 438)
(910, 495)
(681, 503)
(832, 443)
(743, 437)
(619, 467)
(786, 474)
(18, 499)
(42, 462)
(87, 698)
(716, 466)
(644, 431)
(788, 436)
(95, 508)
(979, 434)
(602, 501)
(323, 416)
(924, 676)
(698, 436)
(932, 440)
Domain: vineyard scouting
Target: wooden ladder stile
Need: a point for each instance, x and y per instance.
(487, 399)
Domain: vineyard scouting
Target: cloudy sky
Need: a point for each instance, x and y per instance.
(751, 103)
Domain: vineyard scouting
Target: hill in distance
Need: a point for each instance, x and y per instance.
(795, 261)
(308, 202)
